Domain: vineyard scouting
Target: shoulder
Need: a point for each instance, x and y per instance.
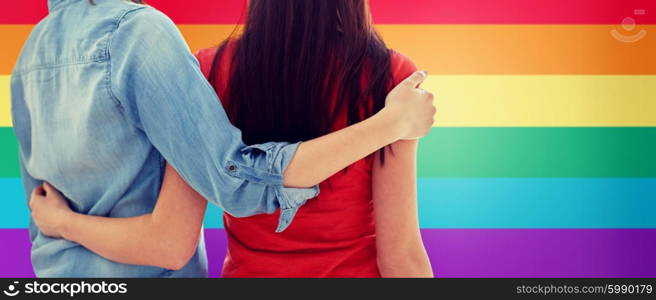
(142, 32)
(145, 14)
(145, 21)
(205, 59)
(206, 56)
(401, 65)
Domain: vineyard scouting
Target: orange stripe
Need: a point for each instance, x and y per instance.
(12, 38)
(526, 49)
(496, 49)
(466, 49)
(203, 36)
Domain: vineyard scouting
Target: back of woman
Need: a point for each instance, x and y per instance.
(302, 69)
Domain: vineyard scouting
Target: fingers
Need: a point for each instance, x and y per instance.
(430, 99)
(415, 79)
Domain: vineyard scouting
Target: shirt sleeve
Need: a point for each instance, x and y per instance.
(157, 82)
(29, 184)
(402, 67)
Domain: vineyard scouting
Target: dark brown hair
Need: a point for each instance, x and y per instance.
(293, 58)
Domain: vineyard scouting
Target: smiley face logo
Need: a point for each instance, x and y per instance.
(12, 290)
(629, 25)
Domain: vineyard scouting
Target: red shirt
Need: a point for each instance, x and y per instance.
(332, 235)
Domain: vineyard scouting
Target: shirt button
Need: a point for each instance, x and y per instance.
(232, 168)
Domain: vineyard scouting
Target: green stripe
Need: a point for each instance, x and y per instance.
(539, 152)
(8, 153)
(504, 152)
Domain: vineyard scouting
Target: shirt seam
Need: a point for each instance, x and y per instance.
(60, 65)
(119, 19)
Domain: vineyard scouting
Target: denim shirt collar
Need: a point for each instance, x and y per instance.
(54, 4)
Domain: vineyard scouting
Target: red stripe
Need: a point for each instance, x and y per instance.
(511, 11)
(202, 11)
(23, 12)
(400, 12)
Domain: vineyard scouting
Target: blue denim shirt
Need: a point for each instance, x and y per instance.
(102, 96)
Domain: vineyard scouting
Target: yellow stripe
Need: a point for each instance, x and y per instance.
(5, 102)
(567, 100)
(509, 100)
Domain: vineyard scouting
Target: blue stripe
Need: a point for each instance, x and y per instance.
(13, 204)
(537, 203)
(213, 217)
(15, 214)
(481, 203)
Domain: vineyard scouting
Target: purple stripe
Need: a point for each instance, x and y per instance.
(542, 252)
(15, 253)
(466, 252)
(215, 244)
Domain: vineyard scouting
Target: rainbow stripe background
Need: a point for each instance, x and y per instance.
(542, 162)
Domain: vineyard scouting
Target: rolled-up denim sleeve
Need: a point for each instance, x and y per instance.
(158, 84)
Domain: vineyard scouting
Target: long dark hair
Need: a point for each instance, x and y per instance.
(293, 58)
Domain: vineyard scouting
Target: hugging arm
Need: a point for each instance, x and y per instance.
(165, 238)
(399, 246)
(157, 82)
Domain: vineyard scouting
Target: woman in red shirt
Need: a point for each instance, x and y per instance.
(299, 70)
(281, 81)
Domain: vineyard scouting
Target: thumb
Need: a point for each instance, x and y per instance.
(416, 79)
(48, 188)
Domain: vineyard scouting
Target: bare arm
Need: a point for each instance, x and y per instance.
(166, 238)
(399, 246)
